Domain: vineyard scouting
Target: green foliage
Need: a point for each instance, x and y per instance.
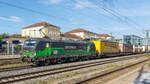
(14, 65)
(4, 35)
(27, 37)
(40, 82)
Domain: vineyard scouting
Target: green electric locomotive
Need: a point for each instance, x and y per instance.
(43, 51)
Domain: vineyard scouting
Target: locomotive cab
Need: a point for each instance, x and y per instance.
(29, 50)
(34, 48)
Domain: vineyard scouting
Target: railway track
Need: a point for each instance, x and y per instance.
(21, 77)
(99, 77)
(15, 68)
(19, 67)
(9, 61)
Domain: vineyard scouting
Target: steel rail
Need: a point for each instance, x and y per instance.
(25, 67)
(109, 72)
(21, 77)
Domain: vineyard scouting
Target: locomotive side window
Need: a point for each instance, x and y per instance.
(57, 44)
(41, 45)
(29, 43)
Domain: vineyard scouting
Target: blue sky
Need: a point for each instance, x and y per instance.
(87, 14)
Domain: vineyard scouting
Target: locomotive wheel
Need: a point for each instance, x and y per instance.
(71, 59)
(59, 61)
(46, 62)
(39, 63)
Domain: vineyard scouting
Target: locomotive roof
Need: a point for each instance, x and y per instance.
(39, 39)
(49, 40)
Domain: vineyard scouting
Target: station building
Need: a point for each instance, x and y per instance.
(40, 30)
(136, 41)
(146, 44)
(68, 36)
(105, 37)
(132, 39)
(83, 34)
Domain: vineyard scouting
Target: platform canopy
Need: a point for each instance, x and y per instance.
(4, 42)
(16, 42)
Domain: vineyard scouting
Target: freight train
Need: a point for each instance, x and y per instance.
(43, 51)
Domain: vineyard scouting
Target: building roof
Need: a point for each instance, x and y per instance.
(15, 35)
(79, 30)
(70, 35)
(40, 24)
(104, 35)
(132, 36)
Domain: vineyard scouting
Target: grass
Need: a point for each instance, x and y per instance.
(148, 55)
(13, 65)
(40, 82)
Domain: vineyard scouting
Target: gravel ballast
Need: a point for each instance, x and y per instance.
(72, 74)
(37, 69)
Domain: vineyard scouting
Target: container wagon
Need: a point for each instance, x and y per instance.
(125, 49)
(106, 48)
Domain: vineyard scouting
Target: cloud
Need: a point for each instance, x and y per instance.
(83, 4)
(11, 18)
(48, 2)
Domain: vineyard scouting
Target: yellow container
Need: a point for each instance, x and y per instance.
(106, 47)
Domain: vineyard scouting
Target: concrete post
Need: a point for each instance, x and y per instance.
(7, 47)
(12, 49)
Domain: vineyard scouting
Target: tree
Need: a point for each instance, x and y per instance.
(27, 37)
(4, 35)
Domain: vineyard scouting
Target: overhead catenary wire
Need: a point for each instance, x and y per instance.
(30, 10)
(119, 18)
(40, 13)
(74, 1)
(114, 13)
(117, 15)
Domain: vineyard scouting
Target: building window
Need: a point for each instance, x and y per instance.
(24, 33)
(52, 34)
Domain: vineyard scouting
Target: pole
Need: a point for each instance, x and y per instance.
(12, 49)
(7, 47)
(147, 36)
(111, 36)
(48, 33)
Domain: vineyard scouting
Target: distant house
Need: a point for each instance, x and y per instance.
(84, 34)
(42, 29)
(68, 36)
(105, 37)
(132, 39)
(14, 37)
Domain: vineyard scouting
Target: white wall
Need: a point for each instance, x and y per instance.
(80, 34)
(68, 38)
(33, 32)
(85, 35)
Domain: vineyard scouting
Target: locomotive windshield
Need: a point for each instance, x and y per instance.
(29, 43)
